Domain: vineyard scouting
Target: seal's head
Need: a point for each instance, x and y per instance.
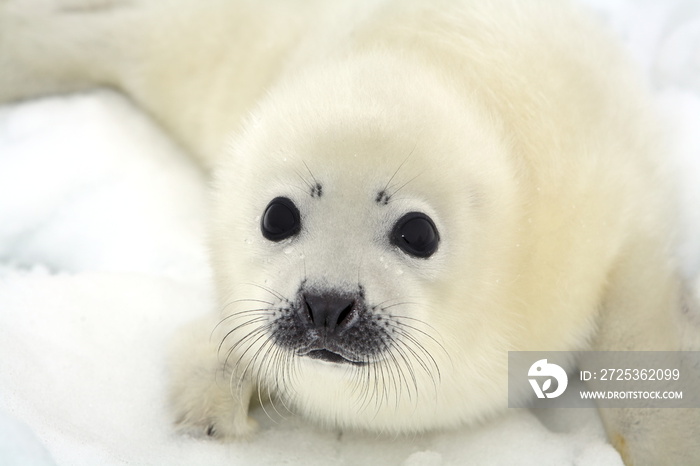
(365, 236)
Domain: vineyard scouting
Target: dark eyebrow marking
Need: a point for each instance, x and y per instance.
(316, 187)
(382, 197)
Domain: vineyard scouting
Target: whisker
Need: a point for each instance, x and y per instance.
(424, 365)
(261, 312)
(246, 300)
(386, 187)
(405, 334)
(371, 383)
(310, 173)
(266, 346)
(240, 359)
(278, 361)
(426, 334)
(244, 324)
(290, 368)
(415, 320)
(400, 303)
(305, 191)
(401, 349)
(400, 374)
(255, 335)
(404, 185)
(306, 182)
(274, 293)
(383, 386)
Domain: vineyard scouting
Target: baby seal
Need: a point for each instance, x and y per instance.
(404, 192)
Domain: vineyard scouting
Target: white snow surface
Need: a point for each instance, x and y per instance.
(102, 257)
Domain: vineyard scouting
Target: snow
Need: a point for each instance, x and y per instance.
(102, 257)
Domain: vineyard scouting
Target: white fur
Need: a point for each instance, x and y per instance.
(516, 126)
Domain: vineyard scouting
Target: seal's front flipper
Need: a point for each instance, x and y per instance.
(207, 398)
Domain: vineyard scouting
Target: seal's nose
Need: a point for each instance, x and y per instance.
(330, 311)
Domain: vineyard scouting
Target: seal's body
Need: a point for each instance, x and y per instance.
(405, 191)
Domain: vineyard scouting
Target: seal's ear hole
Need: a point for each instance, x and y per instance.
(416, 235)
(280, 220)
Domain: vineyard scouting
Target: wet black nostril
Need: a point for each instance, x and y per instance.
(346, 312)
(329, 310)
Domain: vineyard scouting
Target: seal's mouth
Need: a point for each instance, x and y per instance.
(330, 356)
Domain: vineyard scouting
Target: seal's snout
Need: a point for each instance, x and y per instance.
(331, 311)
(332, 326)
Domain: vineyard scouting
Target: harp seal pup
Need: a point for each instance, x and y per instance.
(404, 192)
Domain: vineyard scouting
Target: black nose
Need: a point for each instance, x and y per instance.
(330, 311)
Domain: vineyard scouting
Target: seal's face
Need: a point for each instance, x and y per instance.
(332, 320)
(352, 240)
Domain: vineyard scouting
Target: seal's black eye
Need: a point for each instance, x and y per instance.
(280, 220)
(415, 234)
